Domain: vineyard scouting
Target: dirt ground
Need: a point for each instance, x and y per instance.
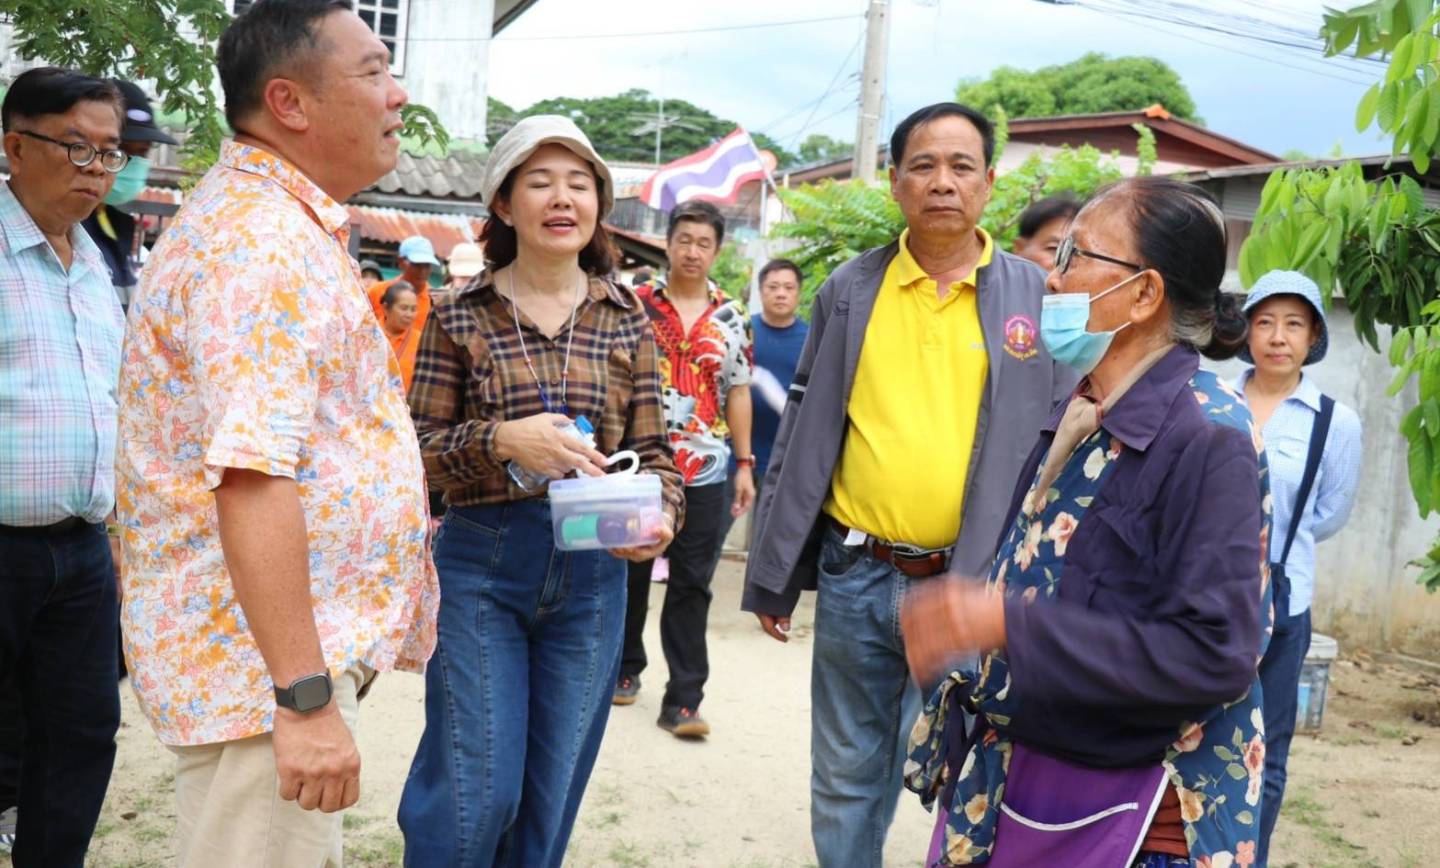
(1365, 792)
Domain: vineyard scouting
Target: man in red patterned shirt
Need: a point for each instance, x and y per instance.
(705, 362)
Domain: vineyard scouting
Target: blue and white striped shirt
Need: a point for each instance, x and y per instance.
(1287, 442)
(60, 337)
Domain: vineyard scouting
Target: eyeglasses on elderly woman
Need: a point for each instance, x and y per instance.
(1066, 252)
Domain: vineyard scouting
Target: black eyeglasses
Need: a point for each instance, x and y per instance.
(83, 154)
(1067, 250)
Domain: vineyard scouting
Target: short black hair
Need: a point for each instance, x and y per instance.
(393, 292)
(262, 41)
(775, 265)
(900, 139)
(696, 211)
(1064, 205)
(50, 90)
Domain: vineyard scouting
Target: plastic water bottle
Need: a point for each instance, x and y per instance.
(528, 480)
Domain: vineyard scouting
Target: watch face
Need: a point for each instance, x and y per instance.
(311, 692)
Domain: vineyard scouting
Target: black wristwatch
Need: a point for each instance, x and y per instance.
(306, 694)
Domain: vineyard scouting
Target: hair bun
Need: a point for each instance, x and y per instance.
(1231, 328)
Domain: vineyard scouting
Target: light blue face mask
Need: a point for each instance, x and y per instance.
(1063, 318)
(129, 181)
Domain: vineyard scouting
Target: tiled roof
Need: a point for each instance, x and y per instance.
(454, 176)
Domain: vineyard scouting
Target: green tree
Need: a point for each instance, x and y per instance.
(1091, 84)
(819, 147)
(169, 42)
(835, 221)
(1376, 241)
(622, 127)
(732, 271)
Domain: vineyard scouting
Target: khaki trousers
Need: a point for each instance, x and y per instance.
(229, 808)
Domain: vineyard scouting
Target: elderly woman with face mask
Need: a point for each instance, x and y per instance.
(1312, 444)
(519, 688)
(1115, 717)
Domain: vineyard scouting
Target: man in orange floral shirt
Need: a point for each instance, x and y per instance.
(270, 488)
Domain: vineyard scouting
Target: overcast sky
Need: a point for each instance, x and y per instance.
(771, 79)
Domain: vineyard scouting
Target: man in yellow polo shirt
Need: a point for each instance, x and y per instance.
(921, 387)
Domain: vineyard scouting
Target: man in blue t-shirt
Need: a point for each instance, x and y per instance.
(779, 338)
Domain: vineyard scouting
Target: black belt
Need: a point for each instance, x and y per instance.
(913, 561)
(64, 525)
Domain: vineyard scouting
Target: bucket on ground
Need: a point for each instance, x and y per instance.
(1315, 682)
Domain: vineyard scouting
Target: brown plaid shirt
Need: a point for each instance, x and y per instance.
(470, 376)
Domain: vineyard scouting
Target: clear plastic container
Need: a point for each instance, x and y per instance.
(618, 510)
(1315, 683)
(528, 480)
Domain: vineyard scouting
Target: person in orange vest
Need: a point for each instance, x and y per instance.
(417, 259)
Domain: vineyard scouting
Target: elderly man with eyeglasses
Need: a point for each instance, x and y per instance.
(60, 335)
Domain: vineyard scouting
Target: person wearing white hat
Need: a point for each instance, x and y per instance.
(1313, 447)
(466, 261)
(518, 692)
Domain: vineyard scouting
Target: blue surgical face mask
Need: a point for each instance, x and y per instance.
(1063, 318)
(129, 181)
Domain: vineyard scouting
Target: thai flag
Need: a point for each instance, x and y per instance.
(716, 173)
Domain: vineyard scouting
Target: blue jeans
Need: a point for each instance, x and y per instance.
(517, 693)
(58, 625)
(863, 705)
(1280, 686)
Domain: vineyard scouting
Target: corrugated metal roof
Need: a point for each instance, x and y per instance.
(392, 225)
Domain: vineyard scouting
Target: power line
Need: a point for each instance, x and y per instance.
(506, 37)
(814, 104)
(1158, 23)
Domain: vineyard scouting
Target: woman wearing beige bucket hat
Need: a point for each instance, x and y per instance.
(518, 691)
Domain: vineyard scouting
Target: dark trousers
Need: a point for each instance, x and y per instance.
(1280, 684)
(12, 744)
(693, 556)
(57, 646)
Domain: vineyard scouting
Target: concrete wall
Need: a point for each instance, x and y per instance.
(1365, 593)
(450, 76)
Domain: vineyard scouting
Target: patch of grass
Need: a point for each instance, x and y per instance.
(626, 854)
(148, 834)
(1301, 808)
(1385, 730)
(103, 829)
(380, 850)
(1351, 741)
(607, 820)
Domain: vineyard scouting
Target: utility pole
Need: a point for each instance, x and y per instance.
(872, 88)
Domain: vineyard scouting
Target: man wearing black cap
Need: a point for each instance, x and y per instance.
(113, 230)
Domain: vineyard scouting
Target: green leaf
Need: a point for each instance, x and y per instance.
(1421, 159)
(1418, 465)
(1387, 107)
(1245, 818)
(1237, 771)
(1431, 412)
(1400, 346)
(1226, 753)
(1365, 112)
(1310, 241)
(1410, 425)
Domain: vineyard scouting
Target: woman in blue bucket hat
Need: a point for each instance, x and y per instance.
(1312, 444)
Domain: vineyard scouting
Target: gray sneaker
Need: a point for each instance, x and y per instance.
(8, 818)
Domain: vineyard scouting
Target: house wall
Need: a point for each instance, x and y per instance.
(449, 75)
